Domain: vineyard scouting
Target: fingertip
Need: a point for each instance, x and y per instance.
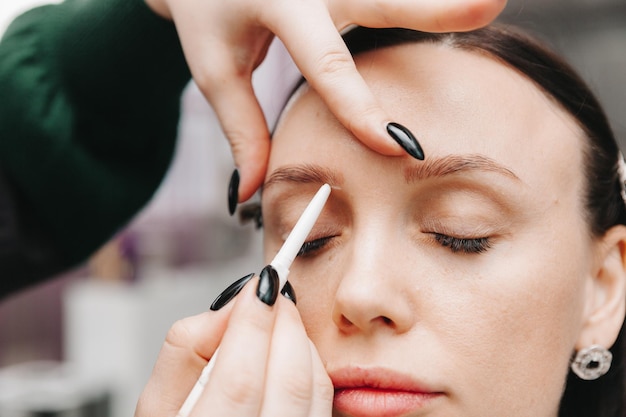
(329, 68)
(252, 162)
(251, 156)
(405, 138)
(244, 125)
(359, 111)
(373, 132)
(473, 15)
(491, 10)
(379, 140)
(233, 192)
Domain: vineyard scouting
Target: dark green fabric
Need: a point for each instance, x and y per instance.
(89, 108)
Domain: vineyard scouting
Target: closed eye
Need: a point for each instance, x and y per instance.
(464, 245)
(309, 248)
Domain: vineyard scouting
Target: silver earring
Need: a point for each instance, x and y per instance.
(592, 362)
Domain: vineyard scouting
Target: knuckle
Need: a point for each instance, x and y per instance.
(204, 74)
(148, 403)
(334, 62)
(242, 390)
(259, 325)
(209, 81)
(180, 334)
(247, 139)
(236, 136)
(215, 79)
(299, 388)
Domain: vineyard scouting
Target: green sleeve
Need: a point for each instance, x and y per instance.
(89, 108)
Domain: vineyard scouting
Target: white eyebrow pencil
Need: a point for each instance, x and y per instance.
(281, 263)
(287, 253)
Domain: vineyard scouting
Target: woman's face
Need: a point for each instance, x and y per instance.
(453, 286)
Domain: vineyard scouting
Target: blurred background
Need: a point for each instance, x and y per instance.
(83, 344)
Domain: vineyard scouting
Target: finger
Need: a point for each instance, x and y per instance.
(221, 61)
(235, 388)
(424, 15)
(289, 386)
(326, 63)
(189, 344)
(323, 390)
(244, 125)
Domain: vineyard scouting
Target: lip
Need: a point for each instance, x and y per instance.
(380, 392)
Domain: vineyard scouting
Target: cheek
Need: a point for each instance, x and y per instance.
(315, 285)
(515, 323)
(527, 292)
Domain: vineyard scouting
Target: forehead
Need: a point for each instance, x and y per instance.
(455, 102)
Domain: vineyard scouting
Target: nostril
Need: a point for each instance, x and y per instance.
(387, 320)
(345, 322)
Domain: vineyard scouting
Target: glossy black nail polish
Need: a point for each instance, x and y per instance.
(230, 292)
(267, 291)
(288, 292)
(405, 138)
(233, 192)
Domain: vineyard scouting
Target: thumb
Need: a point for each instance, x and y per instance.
(188, 346)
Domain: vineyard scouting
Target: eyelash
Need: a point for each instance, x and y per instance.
(312, 246)
(464, 245)
(454, 244)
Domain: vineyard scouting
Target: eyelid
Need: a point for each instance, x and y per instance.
(443, 227)
(477, 200)
(322, 232)
(324, 227)
(312, 246)
(282, 214)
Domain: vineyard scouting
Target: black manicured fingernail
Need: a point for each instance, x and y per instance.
(289, 292)
(267, 291)
(230, 292)
(233, 192)
(405, 138)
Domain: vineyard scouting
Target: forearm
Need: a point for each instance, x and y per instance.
(121, 53)
(89, 106)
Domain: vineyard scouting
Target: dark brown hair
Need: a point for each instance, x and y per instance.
(604, 205)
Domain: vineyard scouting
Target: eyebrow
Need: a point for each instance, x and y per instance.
(304, 174)
(454, 164)
(433, 167)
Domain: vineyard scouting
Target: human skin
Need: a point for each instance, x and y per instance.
(486, 333)
(224, 42)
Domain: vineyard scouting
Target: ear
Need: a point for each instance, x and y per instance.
(606, 292)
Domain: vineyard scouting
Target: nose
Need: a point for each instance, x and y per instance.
(377, 290)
